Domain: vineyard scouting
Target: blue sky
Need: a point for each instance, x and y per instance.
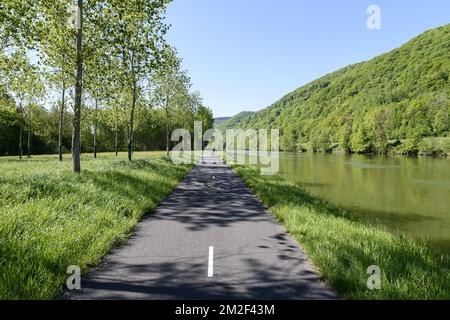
(246, 54)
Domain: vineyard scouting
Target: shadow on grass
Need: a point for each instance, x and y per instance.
(109, 199)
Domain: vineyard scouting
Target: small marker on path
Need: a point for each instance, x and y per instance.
(210, 262)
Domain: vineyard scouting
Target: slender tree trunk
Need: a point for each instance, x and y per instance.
(167, 139)
(61, 121)
(20, 141)
(29, 140)
(30, 124)
(116, 139)
(95, 129)
(130, 133)
(76, 135)
(116, 143)
(20, 130)
(167, 126)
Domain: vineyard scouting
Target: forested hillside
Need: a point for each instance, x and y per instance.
(234, 121)
(399, 97)
(220, 120)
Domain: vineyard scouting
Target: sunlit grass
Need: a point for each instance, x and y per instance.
(87, 156)
(51, 219)
(343, 246)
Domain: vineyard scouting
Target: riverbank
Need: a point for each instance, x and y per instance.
(343, 246)
(51, 219)
(438, 147)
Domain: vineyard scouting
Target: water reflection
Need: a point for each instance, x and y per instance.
(408, 195)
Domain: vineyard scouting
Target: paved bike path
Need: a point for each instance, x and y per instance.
(168, 257)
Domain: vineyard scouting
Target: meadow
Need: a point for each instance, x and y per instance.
(51, 219)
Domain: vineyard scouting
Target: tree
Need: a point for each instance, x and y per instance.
(109, 60)
(18, 23)
(289, 139)
(76, 143)
(324, 139)
(9, 124)
(137, 36)
(314, 139)
(360, 142)
(205, 115)
(23, 80)
(99, 81)
(53, 40)
(344, 134)
(172, 84)
(441, 123)
(118, 116)
(56, 48)
(376, 122)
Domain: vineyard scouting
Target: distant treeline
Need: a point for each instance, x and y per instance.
(391, 102)
(43, 126)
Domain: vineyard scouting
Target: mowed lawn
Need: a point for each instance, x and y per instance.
(51, 219)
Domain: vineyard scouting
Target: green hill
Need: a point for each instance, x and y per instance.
(234, 121)
(218, 121)
(398, 97)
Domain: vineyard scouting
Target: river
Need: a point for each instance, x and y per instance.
(407, 195)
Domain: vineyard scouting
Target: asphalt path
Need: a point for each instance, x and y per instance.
(210, 239)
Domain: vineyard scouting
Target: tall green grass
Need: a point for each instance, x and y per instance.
(342, 246)
(51, 219)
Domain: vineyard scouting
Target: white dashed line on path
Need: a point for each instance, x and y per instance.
(211, 262)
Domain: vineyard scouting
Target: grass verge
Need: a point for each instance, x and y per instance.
(343, 246)
(51, 219)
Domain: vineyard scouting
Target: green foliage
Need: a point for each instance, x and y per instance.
(402, 94)
(343, 138)
(150, 128)
(289, 138)
(18, 22)
(342, 246)
(9, 130)
(128, 72)
(411, 145)
(205, 115)
(360, 140)
(234, 121)
(434, 146)
(441, 123)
